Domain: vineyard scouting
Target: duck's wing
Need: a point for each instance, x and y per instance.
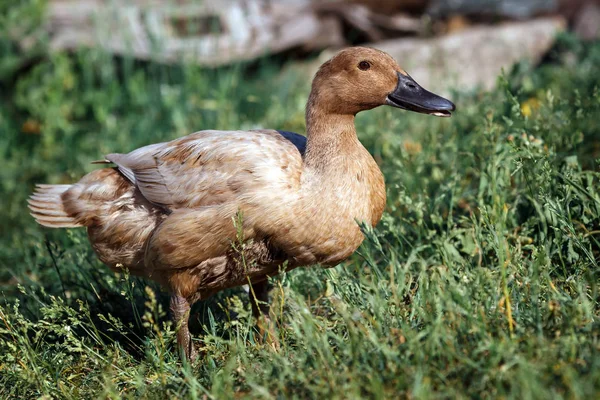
(213, 167)
(297, 140)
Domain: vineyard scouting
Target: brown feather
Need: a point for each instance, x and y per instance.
(167, 210)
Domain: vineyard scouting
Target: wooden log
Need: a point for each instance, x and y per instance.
(208, 33)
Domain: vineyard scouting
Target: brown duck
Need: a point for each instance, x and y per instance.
(168, 211)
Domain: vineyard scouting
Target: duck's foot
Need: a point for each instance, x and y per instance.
(180, 309)
(259, 298)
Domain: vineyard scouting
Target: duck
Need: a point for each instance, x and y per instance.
(220, 209)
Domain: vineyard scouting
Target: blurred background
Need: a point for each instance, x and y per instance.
(466, 42)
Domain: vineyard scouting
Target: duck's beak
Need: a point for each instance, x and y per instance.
(409, 95)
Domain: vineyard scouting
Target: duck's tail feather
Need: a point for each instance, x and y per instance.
(46, 206)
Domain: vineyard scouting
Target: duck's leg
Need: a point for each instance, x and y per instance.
(259, 298)
(180, 309)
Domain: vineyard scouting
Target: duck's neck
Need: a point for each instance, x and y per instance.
(336, 162)
(330, 138)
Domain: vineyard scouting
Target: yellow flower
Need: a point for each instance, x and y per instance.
(529, 106)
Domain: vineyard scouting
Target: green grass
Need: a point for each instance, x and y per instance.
(481, 280)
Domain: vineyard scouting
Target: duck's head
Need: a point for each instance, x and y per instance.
(362, 78)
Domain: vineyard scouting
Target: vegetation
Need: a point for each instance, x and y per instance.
(481, 281)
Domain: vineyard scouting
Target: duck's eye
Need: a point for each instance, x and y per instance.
(364, 65)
